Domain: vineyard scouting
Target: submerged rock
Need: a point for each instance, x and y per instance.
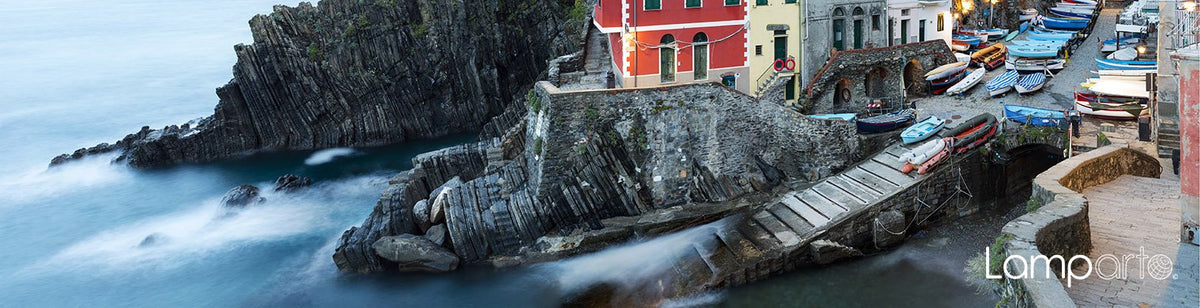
(291, 182)
(152, 240)
(415, 254)
(241, 196)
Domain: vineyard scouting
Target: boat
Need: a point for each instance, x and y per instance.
(1064, 23)
(939, 86)
(1137, 72)
(1088, 2)
(1030, 83)
(1001, 84)
(937, 159)
(959, 45)
(945, 70)
(1124, 54)
(1106, 64)
(962, 57)
(922, 153)
(1028, 14)
(1034, 116)
(967, 82)
(885, 122)
(1125, 88)
(922, 130)
(991, 34)
(932, 2)
(1108, 101)
(1034, 65)
(834, 116)
(1069, 12)
(1131, 113)
(970, 40)
(971, 133)
(1112, 44)
(1050, 36)
(1038, 43)
(990, 57)
(1033, 51)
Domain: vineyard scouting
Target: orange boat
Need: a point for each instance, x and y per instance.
(991, 57)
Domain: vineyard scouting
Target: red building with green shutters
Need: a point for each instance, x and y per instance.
(658, 42)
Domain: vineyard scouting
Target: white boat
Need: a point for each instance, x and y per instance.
(1028, 14)
(1189, 51)
(1002, 83)
(1124, 54)
(1034, 65)
(1141, 73)
(945, 70)
(1086, 109)
(962, 57)
(1115, 87)
(922, 153)
(968, 82)
(1030, 83)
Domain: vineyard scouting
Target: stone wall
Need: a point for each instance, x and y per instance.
(885, 65)
(817, 38)
(1060, 226)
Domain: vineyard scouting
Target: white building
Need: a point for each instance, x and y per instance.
(911, 21)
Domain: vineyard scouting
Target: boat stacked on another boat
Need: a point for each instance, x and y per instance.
(1064, 23)
(1113, 44)
(1034, 65)
(991, 34)
(1124, 54)
(885, 122)
(1109, 107)
(972, 133)
(945, 70)
(1034, 116)
(967, 82)
(1106, 64)
(1033, 51)
(939, 86)
(1029, 83)
(1072, 11)
(990, 57)
(970, 40)
(1002, 83)
(922, 130)
(1118, 87)
(918, 156)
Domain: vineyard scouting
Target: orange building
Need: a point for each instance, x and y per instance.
(656, 42)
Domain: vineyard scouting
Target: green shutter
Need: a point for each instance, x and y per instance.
(733, 2)
(756, 2)
(691, 3)
(655, 4)
(789, 1)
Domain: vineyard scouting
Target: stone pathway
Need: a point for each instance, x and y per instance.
(1127, 215)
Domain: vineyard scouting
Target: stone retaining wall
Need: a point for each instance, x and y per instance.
(1060, 226)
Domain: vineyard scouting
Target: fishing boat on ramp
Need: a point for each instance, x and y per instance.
(1033, 51)
(1001, 84)
(922, 130)
(1034, 116)
(885, 122)
(939, 86)
(848, 117)
(1034, 65)
(945, 71)
(918, 156)
(990, 57)
(1030, 83)
(1106, 64)
(1124, 54)
(967, 82)
(1065, 23)
(1118, 112)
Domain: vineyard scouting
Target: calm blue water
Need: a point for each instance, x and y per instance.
(75, 73)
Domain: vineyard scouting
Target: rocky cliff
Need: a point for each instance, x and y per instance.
(585, 169)
(366, 72)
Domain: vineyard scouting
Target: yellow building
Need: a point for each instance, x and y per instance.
(775, 33)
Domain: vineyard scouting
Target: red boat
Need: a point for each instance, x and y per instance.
(939, 86)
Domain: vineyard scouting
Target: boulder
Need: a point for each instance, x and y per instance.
(439, 235)
(241, 196)
(826, 251)
(152, 240)
(291, 182)
(421, 214)
(437, 211)
(413, 253)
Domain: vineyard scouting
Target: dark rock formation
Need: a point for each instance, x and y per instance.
(291, 182)
(825, 251)
(360, 73)
(437, 234)
(413, 253)
(241, 196)
(152, 240)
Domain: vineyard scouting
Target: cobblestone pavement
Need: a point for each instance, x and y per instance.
(1128, 215)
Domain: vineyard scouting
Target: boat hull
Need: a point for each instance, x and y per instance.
(1033, 116)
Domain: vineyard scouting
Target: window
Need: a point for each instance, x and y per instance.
(921, 32)
(756, 2)
(904, 12)
(941, 26)
(758, 50)
(700, 56)
(875, 22)
(839, 31)
(789, 1)
(666, 59)
(652, 5)
(691, 3)
(733, 2)
(858, 27)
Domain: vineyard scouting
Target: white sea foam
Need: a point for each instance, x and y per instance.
(328, 155)
(35, 183)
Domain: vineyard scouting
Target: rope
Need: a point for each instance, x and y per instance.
(959, 190)
(685, 44)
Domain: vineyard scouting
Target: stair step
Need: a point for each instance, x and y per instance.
(849, 184)
(842, 196)
(790, 218)
(891, 174)
(805, 211)
(757, 234)
(781, 233)
(822, 204)
(869, 179)
(742, 247)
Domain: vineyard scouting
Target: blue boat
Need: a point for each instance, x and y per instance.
(834, 116)
(1064, 23)
(1070, 13)
(922, 130)
(1043, 36)
(969, 39)
(885, 122)
(1034, 116)
(1047, 43)
(1106, 64)
(1030, 83)
(1002, 83)
(1033, 51)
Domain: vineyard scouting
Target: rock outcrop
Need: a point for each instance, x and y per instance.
(291, 182)
(413, 253)
(585, 169)
(360, 73)
(240, 197)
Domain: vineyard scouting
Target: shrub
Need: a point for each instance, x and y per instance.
(314, 52)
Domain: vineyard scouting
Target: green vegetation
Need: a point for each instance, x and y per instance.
(637, 134)
(350, 31)
(579, 11)
(1102, 140)
(592, 113)
(420, 30)
(534, 101)
(385, 3)
(1032, 205)
(314, 53)
(660, 106)
(537, 146)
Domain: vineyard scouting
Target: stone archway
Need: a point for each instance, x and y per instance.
(842, 96)
(874, 83)
(1023, 163)
(914, 78)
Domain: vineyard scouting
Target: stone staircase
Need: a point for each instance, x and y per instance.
(769, 240)
(597, 64)
(1168, 136)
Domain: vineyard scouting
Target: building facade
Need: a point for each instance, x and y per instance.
(775, 34)
(834, 25)
(912, 21)
(657, 42)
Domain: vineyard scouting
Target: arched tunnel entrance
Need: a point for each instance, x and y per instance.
(1021, 165)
